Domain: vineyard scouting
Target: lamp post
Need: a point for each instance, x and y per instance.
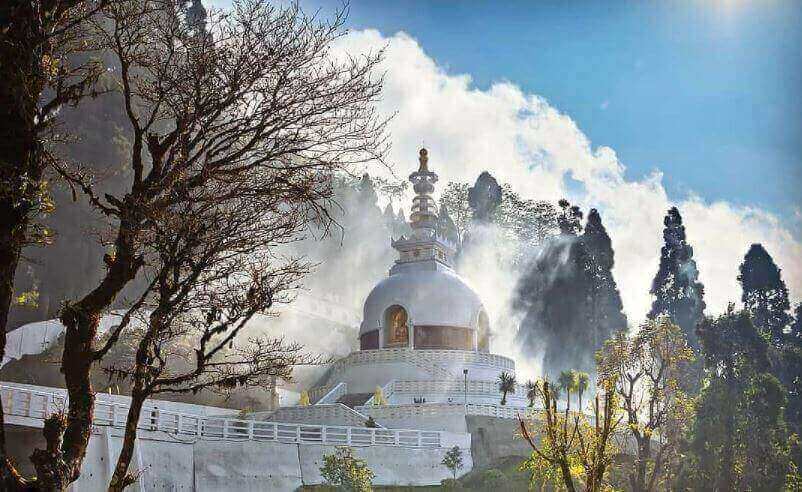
(465, 376)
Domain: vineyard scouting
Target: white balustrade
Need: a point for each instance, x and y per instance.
(430, 359)
(396, 412)
(24, 402)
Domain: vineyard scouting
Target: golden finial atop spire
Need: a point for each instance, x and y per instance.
(424, 161)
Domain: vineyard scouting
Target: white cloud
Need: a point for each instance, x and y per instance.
(522, 140)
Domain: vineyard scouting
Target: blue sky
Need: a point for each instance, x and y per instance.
(705, 91)
(708, 92)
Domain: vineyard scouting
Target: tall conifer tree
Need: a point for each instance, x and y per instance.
(676, 287)
(765, 295)
(568, 295)
(605, 309)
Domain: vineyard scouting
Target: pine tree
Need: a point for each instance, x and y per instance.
(569, 220)
(484, 197)
(569, 297)
(677, 290)
(367, 192)
(605, 309)
(765, 295)
(446, 226)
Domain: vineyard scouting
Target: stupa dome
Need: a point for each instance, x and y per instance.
(431, 297)
(423, 303)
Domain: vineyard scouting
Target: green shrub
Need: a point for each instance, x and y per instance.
(346, 472)
(494, 479)
(450, 484)
(453, 460)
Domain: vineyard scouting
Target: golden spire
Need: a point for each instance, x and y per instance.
(424, 161)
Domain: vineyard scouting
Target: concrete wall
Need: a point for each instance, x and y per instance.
(454, 421)
(493, 438)
(246, 466)
(167, 462)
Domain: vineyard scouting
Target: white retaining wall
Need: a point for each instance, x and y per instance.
(168, 463)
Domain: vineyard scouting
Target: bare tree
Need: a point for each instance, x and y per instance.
(649, 369)
(250, 106)
(39, 73)
(212, 267)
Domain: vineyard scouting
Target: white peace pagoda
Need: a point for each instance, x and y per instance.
(424, 360)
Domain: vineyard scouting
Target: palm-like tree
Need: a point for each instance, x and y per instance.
(568, 382)
(532, 389)
(506, 384)
(582, 382)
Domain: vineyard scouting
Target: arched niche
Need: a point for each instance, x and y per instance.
(395, 325)
(483, 332)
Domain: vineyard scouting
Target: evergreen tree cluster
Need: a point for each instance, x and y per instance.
(467, 211)
(569, 296)
(351, 255)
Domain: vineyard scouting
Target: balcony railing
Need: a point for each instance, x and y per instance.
(28, 403)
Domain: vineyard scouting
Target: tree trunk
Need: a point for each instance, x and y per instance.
(139, 393)
(120, 479)
(81, 321)
(21, 167)
(9, 257)
(566, 472)
(638, 479)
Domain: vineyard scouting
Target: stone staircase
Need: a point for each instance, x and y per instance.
(352, 400)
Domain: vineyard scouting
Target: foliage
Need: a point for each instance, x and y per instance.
(676, 287)
(506, 384)
(454, 198)
(569, 383)
(494, 479)
(575, 450)
(648, 370)
(453, 460)
(345, 471)
(46, 65)
(484, 197)
(525, 223)
(569, 219)
(569, 297)
(739, 439)
(795, 335)
(765, 295)
(605, 310)
(532, 389)
(582, 383)
(28, 298)
(450, 484)
(205, 164)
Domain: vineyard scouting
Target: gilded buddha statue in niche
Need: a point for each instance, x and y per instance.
(399, 330)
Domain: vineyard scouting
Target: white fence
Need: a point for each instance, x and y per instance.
(433, 359)
(24, 402)
(400, 412)
(474, 387)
